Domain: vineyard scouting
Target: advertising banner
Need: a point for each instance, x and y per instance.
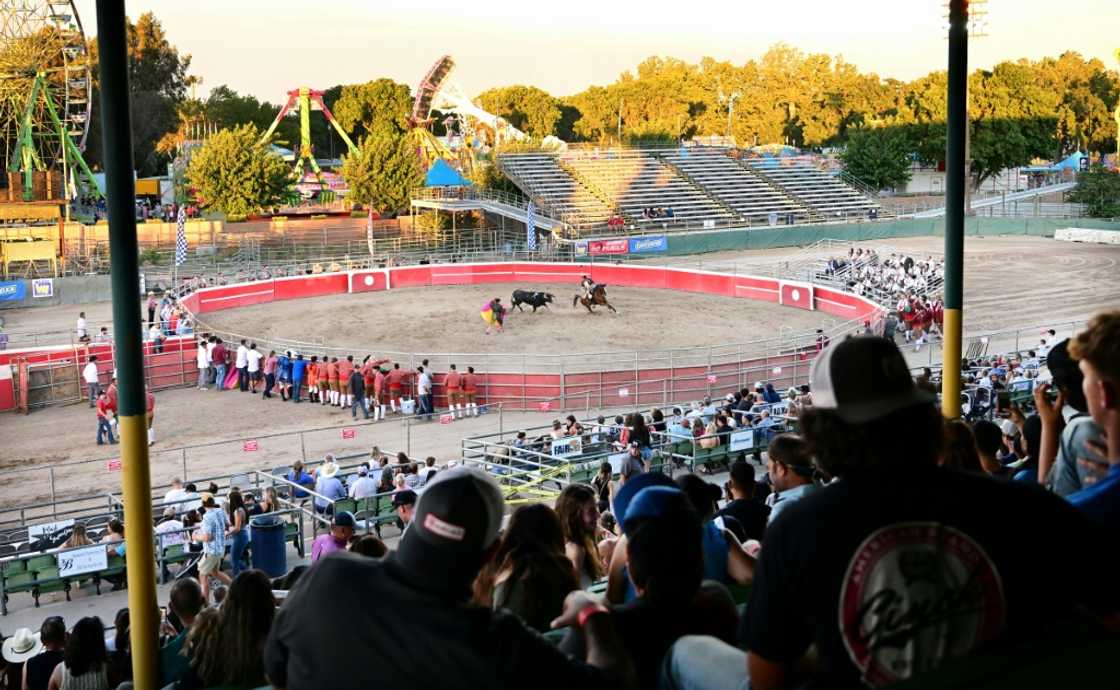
(12, 291)
(649, 245)
(42, 287)
(599, 247)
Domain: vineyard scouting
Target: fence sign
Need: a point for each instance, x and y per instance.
(81, 561)
(173, 538)
(544, 406)
(597, 247)
(250, 446)
(711, 378)
(567, 447)
(42, 287)
(624, 392)
(47, 529)
(113, 465)
(776, 370)
(742, 440)
(646, 245)
(348, 434)
(446, 418)
(14, 290)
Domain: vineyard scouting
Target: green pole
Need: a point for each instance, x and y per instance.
(116, 127)
(954, 207)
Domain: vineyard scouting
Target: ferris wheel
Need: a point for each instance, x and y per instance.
(45, 88)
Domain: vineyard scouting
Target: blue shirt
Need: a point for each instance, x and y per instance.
(1101, 501)
(785, 498)
(214, 526)
(330, 487)
(304, 479)
(285, 366)
(298, 367)
(715, 553)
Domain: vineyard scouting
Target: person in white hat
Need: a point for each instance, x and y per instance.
(20, 647)
(328, 486)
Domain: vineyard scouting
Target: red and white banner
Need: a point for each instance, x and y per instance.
(711, 378)
(113, 465)
(597, 247)
(348, 434)
(544, 406)
(250, 446)
(368, 281)
(446, 418)
(797, 295)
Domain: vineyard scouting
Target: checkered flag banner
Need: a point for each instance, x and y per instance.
(181, 237)
(531, 227)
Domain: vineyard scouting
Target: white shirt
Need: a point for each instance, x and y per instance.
(203, 358)
(81, 327)
(242, 356)
(363, 487)
(254, 360)
(425, 383)
(154, 333)
(177, 536)
(89, 373)
(173, 496)
(210, 352)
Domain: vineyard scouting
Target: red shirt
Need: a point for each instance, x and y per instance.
(102, 409)
(468, 382)
(378, 380)
(345, 368)
(396, 376)
(149, 402)
(453, 381)
(111, 394)
(324, 368)
(218, 355)
(332, 371)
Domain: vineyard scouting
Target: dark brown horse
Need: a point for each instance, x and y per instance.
(598, 297)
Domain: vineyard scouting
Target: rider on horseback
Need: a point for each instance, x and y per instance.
(588, 286)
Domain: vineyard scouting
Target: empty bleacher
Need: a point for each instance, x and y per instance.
(734, 184)
(828, 196)
(541, 178)
(703, 187)
(636, 180)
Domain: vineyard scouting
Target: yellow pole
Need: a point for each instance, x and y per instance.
(951, 365)
(116, 128)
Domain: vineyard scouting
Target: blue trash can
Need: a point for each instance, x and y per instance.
(267, 543)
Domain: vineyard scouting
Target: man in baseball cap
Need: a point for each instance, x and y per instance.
(404, 503)
(343, 623)
(898, 528)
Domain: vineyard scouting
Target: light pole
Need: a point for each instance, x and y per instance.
(955, 200)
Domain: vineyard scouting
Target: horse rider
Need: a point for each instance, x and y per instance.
(588, 286)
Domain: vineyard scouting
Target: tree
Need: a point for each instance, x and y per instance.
(383, 172)
(158, 83)
(237, 174)
(381, 104)
(880, 158)
(1099, 190)
(527, 108)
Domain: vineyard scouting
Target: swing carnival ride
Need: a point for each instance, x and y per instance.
(45, 99)
(304, 100)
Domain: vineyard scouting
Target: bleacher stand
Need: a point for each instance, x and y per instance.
(827, 195)
(541, 177)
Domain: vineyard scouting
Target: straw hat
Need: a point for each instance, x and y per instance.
(21, 646)
(328, 469)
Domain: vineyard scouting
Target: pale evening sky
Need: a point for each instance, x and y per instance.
(265, 47)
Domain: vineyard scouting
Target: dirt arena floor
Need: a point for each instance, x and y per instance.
(1010, 282)
(446, 319)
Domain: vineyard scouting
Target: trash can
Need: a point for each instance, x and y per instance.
(267, 543)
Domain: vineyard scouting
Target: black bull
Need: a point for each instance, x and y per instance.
(533, 299)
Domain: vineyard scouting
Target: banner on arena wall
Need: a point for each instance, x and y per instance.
(12, 291)
(544, 406)
(348, 434)
(567, 447)
(796, 295)
(80, 561)
(599, 247)
(446, 418)
(581, 248)
(42, 287)
(649, 245)
(250, 446)
(742, 440)
(113, 465)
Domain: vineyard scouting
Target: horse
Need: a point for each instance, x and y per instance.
(598, 297)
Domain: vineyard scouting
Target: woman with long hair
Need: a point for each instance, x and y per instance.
(85, 663)
(602, 483)
(247, 615)
(529, 574)
(269, 502)
(203, 647)
(78, 537)
(578, 510)
(639, 433)
(238, 531)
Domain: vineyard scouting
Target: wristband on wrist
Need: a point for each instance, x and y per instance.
(589, 611)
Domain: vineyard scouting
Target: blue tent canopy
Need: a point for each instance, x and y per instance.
(443, 175)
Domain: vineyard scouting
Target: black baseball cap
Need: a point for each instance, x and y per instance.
(457, 518)
(406, 497)
(343, 518)
(863, 378)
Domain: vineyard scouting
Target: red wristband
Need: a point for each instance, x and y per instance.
(589, 611)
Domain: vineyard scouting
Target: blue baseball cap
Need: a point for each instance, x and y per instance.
(656, 503)
(627, 491)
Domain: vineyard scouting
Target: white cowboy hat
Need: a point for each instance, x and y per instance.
(328, 469)
(21, 646)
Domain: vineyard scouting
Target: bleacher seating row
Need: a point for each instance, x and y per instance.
(701, 185)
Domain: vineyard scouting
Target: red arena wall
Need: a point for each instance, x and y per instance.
(176, 364)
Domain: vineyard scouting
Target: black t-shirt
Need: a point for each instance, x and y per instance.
(40, 667)
(751, 516)
(891, 575)
(355, 621)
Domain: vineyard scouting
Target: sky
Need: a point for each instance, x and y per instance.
(267, 47)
